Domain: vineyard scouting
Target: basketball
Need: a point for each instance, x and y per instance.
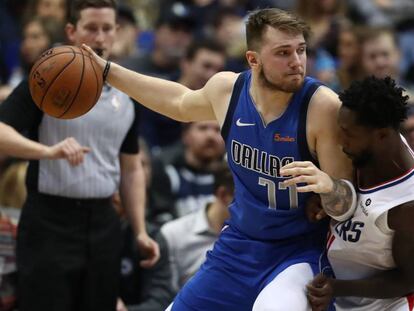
(65, 83)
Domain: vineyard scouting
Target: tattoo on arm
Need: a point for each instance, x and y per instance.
(340, 201)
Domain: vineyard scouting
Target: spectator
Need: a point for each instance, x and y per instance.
(173, 35)
(380, 55)
(349, 67)
(186, 184)
(13, 191)
(202, 60)
(228, 29)
(8, 278)
(142, 289)
(324, 18)
(39, 34)
(126, 41)
(12, 196)
(190, 237)
(48, 8)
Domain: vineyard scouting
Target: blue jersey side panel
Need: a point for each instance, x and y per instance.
(262, 208)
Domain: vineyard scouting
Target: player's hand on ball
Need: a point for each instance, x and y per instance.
(148, 249)
(98, 60)
(305, 172)
(320, 292)
(68, 149)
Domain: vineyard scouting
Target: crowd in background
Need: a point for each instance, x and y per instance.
(189, 41)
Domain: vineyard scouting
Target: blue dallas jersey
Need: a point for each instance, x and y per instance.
(263, 209)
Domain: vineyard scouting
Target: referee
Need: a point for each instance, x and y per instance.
(69, 234)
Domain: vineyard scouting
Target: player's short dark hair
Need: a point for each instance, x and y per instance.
(259, 20)
(76, 6)
(210, 45)
(378, 103)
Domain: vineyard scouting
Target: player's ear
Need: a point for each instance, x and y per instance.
(383, 133)
(70, 32)
(252, 59)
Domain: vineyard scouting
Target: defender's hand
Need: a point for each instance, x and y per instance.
(320, 292)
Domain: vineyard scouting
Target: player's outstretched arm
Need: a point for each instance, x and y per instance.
(395, 283)
(166, 97)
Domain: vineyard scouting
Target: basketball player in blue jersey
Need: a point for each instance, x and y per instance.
(270, 115)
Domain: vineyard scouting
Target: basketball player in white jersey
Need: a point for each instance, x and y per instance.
(372, 252)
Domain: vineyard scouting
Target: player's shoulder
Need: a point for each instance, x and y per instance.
(326, 99)
(222, 81)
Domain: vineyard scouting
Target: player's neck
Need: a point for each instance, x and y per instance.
(393, 162)
(270, 104)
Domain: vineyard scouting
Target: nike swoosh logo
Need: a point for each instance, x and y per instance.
(239, 123)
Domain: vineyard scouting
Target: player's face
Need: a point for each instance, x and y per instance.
(356, 140)
(202, 67)
(204, 142)
(96, 27)
(380, 57)
(282, 60)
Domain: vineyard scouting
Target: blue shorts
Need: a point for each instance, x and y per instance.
(238, 268)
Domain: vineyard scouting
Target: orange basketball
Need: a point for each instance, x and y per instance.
(65, 83)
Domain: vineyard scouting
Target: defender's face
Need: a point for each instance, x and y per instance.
(96, 27)
(356, 140)
(282, 60)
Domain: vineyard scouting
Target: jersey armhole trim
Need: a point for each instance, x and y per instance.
(302, 137)
(238, 86)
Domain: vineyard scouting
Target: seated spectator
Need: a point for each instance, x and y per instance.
(349, 68)
(12, 196)
(190, 237)
(173, 35)
(228, 29)
(8, 279)
(142, 289)
(39, 34)
(380, 55)
(56, 9)
(185, 184)
(126, 41)
(12, 185)
(202, 60)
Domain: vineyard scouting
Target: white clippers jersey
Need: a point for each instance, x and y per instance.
(360, 247)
